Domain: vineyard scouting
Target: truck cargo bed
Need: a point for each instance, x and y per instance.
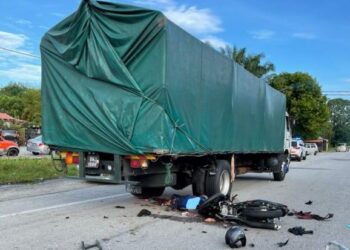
(125, 80)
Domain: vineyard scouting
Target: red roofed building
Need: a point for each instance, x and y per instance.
(5, 117)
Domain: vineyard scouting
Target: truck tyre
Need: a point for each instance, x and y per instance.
(198, 182)
(221, 181)
(12, 152)
(148, 192)
(283, 166)
(304, 158)
(299, 158)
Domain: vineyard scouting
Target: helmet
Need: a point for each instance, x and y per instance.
(235, 237)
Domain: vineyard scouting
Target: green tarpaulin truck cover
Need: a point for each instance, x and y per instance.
(125, 80)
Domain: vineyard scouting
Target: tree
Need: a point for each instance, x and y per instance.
(21, 102)
(13, 89)
(32, 108)
(306, 105)
(252, 63)
(340, 118)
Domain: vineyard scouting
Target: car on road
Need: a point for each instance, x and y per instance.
(36, 146)
(298, 150)
(8, 148)
(311, 148)
(341, 147)
(10, 135)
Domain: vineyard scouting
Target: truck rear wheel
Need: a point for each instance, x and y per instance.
(283, 169)
(220, 182)
(198, 182)
(148, 192)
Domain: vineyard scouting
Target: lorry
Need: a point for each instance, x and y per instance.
(145, 103)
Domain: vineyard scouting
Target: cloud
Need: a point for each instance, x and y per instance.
(262, 34)
(304, 35)
(58, 14)
(346, 80)
(15, 66)
(23, 72)
(194, 20)
(12, 40)
(44, 27)
(216, 42)
(25, 22)
(198, 21)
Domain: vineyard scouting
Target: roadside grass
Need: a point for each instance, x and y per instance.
(22, 170)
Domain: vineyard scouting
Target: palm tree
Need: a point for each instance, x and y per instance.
(252, 63)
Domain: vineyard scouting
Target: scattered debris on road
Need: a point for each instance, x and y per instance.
(67, 217)
(105, 217)
(209, 220)
(308, 203)
(310, 216)
(144, 212)
(282, 244)
(96, 245)
(219, 208)
(121, 207)
(299, 231)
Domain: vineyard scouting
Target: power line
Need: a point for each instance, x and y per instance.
(19, 52)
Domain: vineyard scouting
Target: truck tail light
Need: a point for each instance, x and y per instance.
(75, 159)
(135, 164)
(71, 158)
(140, 161)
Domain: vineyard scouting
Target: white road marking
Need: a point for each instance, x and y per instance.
(63, 205)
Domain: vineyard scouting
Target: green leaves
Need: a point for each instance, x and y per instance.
(21, 102)
(252, 63)
(305, 103)
(340, 118)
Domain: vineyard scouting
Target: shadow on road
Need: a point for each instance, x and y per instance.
(339, 159)
(253, 178)
(301, 168)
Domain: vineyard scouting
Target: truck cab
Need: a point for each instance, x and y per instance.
(287, 135)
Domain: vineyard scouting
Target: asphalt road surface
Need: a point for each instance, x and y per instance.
(59, 214)
(24, 153)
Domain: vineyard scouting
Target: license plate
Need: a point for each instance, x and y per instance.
(93, 161)
(133, 189)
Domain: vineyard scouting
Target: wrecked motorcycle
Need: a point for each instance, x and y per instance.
(254, 213)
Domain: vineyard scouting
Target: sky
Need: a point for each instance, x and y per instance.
(308, 36)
